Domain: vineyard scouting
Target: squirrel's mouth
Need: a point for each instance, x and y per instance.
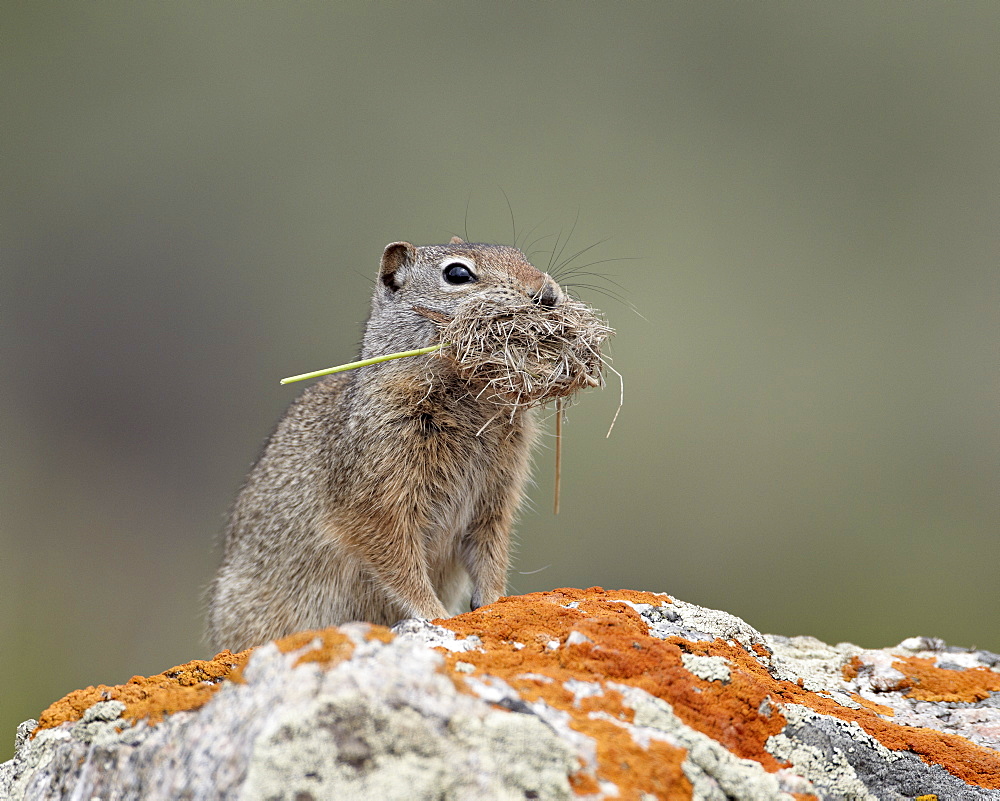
(520, 355)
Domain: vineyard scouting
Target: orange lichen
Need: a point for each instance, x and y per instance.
(184, 687)
(930, 683)
(851, 668)
(972, 763)
(620, 760)
(623, 651)
(584, 784)
(878, 709)
(380, 633)
(326, 646)
(190, 685)
(525, 643)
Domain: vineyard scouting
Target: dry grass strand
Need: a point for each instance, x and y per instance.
(523, 354)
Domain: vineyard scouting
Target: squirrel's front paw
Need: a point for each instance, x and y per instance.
(433, 613)
(482, 599)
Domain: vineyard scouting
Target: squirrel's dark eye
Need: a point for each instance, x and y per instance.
(458, 273)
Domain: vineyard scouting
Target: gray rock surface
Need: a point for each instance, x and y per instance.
(425, 716)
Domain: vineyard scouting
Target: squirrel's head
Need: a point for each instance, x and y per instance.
(508, 329)
(439, 277)
(417, 284)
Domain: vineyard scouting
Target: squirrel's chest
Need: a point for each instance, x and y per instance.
(464, 461)
(465, 452)
(445, 458)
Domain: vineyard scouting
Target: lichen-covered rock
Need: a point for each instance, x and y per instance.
(570, 693)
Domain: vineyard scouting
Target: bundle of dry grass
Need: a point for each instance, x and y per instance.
(525, 354)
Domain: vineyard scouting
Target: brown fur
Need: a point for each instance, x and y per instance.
(381, 495)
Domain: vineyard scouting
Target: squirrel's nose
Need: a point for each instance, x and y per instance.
(549, 294)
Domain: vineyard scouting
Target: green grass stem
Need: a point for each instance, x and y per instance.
(363, 363)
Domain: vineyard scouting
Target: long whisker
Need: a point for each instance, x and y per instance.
(530, 232)
(607, 293)
(580, 267)
(510, 208)
(601, 276)
(556, 256)
(568, 260)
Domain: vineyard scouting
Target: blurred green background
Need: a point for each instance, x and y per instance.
(195, 197)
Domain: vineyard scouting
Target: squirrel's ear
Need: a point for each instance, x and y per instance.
(456, 240)
(395, 256)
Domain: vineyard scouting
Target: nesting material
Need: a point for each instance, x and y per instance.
(522, 354)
